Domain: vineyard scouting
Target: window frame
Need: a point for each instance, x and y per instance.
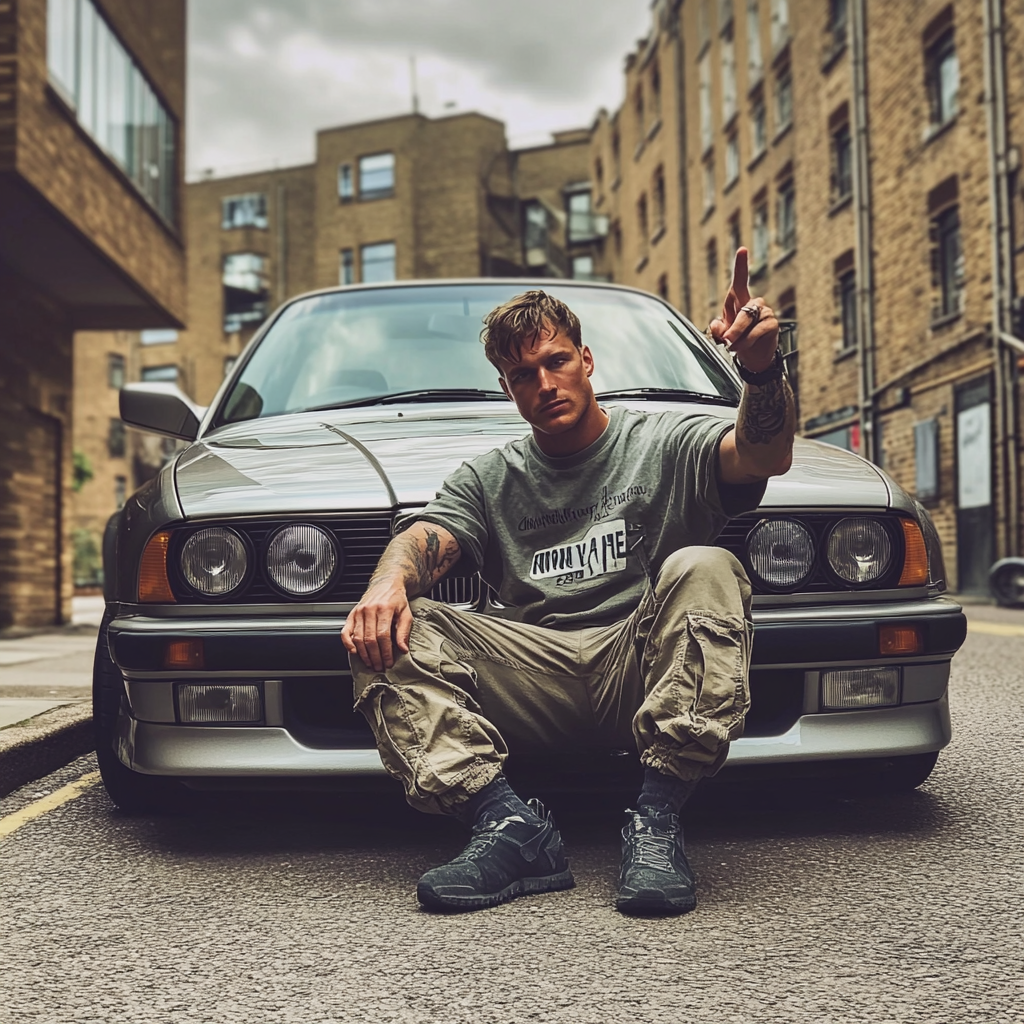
(372, 194)
(936, 53)
(259, 215)
(364, 262)
(116, 370)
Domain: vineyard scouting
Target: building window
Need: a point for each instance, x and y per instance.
(115, 370)
(167, 373)
(655, 91)
(703, 23)
(583, 224)
(617, 238)
(706, 130)
(783, 99)
(947, 262)
(116, 439)
(842, 162)
(583, 268)
(112, 100)
(728, 50)
(244, 211)
(732, 159)
(377, 177)
(659, 200)
(712, 268)
(926, 460)
(642, 222)
(709, 184)
(346, 184)
(734, 241)
(663, 286)
(724, 14)
(598, 172)
(638, 108)
(785, 217)
(229, 364)
(846, 300)
(838, 14)
(347, 267)
(616, 156)
(759, 252)
(378, 262)
(943, 68)
(246, 294)
(758, 126)
(158, 336)
(120, 491)
(780, 24)
(755, 61)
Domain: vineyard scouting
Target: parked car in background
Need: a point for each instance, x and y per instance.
(229, 576)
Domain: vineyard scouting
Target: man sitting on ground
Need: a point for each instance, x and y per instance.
(621, 624)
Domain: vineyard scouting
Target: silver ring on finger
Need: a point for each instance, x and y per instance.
(752, 311)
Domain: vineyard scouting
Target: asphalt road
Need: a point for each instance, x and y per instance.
(817, 909)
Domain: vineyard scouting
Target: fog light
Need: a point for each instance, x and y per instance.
(233, 703)
(860, 688)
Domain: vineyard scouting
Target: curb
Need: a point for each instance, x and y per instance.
(44, 743)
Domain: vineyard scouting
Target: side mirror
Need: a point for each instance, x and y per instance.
(161, 408)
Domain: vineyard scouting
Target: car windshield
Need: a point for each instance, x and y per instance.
(422, 343)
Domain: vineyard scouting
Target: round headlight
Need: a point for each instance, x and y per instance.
(859, 550)
(301, 559)
(781, 552)
(213, 561)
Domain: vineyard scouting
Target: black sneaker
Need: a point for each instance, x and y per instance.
(655, 877)
(504, 859)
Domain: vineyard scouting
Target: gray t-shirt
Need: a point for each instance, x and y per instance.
(564, 541)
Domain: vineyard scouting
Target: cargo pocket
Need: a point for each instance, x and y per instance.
(723, 692)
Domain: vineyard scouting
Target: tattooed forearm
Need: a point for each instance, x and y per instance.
(417, 558)
(766, 411)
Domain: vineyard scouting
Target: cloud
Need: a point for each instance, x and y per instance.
(264, 75)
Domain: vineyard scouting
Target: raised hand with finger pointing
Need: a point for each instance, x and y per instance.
(747, 327)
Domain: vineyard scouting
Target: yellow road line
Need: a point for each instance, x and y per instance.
(73, 790)
(995, 628)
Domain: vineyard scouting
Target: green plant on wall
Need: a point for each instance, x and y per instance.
(82, 472)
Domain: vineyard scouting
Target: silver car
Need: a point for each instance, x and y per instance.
(229, 576)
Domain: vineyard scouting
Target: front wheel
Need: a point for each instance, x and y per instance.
(132, 792)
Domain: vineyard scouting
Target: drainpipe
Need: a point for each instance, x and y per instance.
(1004, 357)
(684, 211)
(862, 215)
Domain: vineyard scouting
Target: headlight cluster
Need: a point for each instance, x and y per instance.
(782, 553)
(301, 560)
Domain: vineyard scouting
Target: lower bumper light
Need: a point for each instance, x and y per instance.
(848, 688)
(200, 705)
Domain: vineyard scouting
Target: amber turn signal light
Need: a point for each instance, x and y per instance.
(915, 556)
(154, 586)
(900, 640)
(184, 654)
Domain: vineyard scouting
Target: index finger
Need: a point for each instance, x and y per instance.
(740, 286)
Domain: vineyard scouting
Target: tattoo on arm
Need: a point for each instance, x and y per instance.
(418, 567)
(764, 414)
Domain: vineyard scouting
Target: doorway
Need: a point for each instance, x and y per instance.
(975, 540)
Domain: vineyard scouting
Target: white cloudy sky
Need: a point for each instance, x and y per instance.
(265, 74)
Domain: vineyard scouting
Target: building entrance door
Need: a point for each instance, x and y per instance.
(974, 527)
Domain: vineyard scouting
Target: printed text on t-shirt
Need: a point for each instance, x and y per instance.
(601, 550)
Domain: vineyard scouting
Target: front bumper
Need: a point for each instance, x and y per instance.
(790, 643)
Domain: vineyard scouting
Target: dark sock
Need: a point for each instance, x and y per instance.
(664, 794)
(495, 801)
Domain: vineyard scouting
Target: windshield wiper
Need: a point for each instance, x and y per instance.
(660, 394)
(418, 395)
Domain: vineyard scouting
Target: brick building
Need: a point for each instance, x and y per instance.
(866, 153)
(91, 108)
(398, 198)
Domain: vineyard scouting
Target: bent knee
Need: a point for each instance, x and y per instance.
(700, 560)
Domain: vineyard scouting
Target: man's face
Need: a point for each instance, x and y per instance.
(550, 383)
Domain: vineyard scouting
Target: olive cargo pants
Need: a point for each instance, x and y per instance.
(672, 677)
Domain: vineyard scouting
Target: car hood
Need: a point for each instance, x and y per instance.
(379, 458)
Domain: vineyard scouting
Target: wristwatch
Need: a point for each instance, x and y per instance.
(775, 369)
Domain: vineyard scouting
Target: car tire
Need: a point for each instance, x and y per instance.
(132, 792)
(899, 775)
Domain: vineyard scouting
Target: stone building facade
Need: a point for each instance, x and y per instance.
(867, 155)
(91, 138)
(399, 198)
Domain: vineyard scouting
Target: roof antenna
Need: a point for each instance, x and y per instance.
(412, 84)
